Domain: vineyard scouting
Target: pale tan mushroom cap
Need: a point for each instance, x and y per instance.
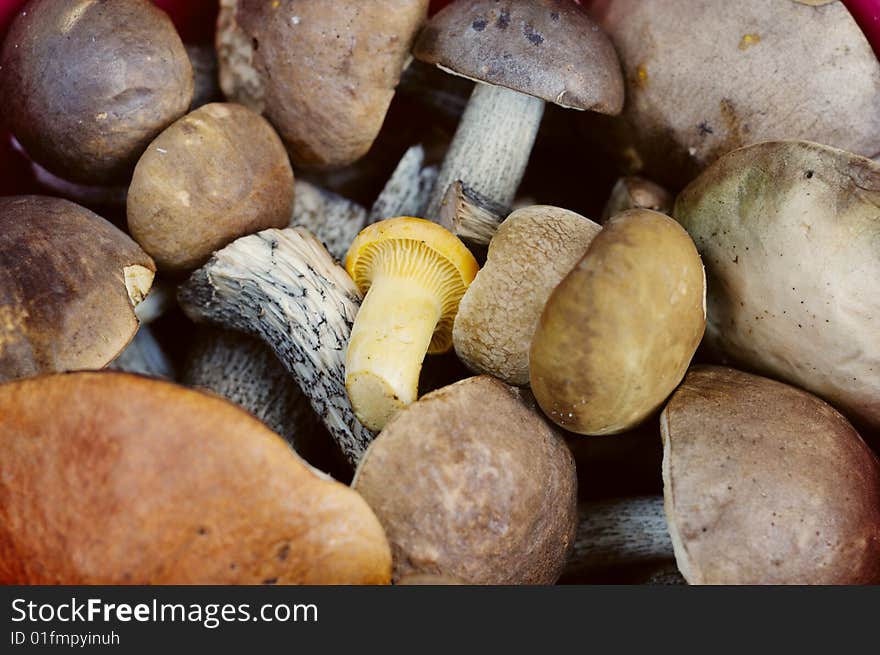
(110, 478)
(618, 333)
(471, 483)
(69, 281)
(551, 50)
(534, 248)
(767, 484)
(789, 232)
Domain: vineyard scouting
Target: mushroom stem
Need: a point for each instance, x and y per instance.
(470, 215)
(333, 219)
(491, 147)
(145, 356)
(619, 534)
(284, 287)
(407, 190)
(385, 356)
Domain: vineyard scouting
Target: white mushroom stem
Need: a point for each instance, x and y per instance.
(144, 356)
(160, 299)
(469, 215)
(334, 220)
(491, 147)
(243, 370)
(617, 534)
(407, 191)
(283, 287)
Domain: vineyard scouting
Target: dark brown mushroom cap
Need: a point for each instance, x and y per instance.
(69, 281)
(549, 49)
(472, 483)
(94, 82)
(767, 484)
(217, 174)
(111, 478)
(323, 73)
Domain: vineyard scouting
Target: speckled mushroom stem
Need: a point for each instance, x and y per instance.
(470, 215)
(491, 147)
(144, 355)
(408, 189)
(283, 287)
(618, 534)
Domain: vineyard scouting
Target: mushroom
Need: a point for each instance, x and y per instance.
(471, 216)
(283, 287)
(218, 173)
(471, 482)
(763, 484)
(618, 333)
(705, 77)
(93, 84)
(170, 486)
(144, 356)
(522, 54)
(323, 73)
(637, 193)
(789, 234)
(206, 86)
(69, 281)
(406, 191)
(533, 250)
(414, 274)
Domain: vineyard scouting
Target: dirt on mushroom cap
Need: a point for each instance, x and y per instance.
(68, 282)
(117, 479)
(767, 484)
(471, 483)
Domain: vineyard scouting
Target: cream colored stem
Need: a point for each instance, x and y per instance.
(491, 147)
(407, 190)
(144, 356)
(388, 344)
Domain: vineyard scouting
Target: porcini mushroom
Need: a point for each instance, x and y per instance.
(323, 73)
(704, 77)
(523, 54)
(618, 333)
(69, 281)
(471, 216)
(216, 174)
(170, 486)
(763, 484)
(413, 274)
(637, 193)
(94, 82)
(534, 248)
(789, 234)
(472, 483)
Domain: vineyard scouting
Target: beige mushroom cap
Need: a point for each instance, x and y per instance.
(789, 232)
(323, 73)
(618, 333)
(767, 484)
(534, 248)
(110, 478)
(217, 174)
(69, 281)
(471, 483)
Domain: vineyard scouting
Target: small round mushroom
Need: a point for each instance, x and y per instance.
(522, 54)
(533, 250)
(323, 73)
(637, 193)
(111, 478)
(618, 333)
(69, 281)
(94, 82)
(767, 484)
(217, 174)
(704, 77)
(472, 483)
(413, 274)
(789, 233)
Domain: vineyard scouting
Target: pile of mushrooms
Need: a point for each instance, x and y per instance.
(265, 320)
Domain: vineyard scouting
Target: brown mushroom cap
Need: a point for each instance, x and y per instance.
(534, 248)
(551, 50)
(619, 332)
(323, 73)
(217, 174)
(767, 484)
(634, 193)
(68, 284)
(704, 77)
(789, 232)
(94, 82)
(110, 478)
(471, 483)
